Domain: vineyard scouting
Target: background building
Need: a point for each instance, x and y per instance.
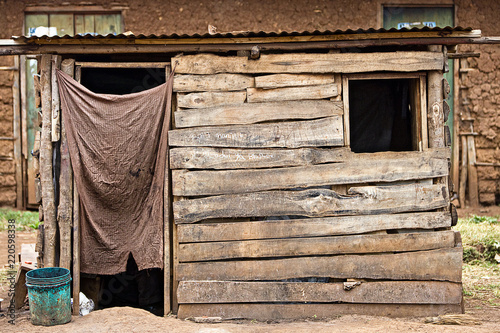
(478, 78)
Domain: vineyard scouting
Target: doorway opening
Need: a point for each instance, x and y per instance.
(135, 288)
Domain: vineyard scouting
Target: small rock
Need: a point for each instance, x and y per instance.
(207, 320)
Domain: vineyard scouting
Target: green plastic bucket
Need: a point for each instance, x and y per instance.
(49, 296)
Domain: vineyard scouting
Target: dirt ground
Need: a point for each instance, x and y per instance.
(135, 320)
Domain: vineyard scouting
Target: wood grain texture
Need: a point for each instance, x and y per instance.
(314, 202)
(263, 312)
(65, 208)
(472, 185)
(463, 172)
(56, 108)
(210, 99)
(395, 292)
(311, 227)
(435, 114)
(76, 230)
(256, 95)
(196, 183)
(293, 134)
(167, 201)
(295, 247)
(47, 184)
(250, 113)
(217, 82)
(439, 265)
(310, 63)
(227, 158)
(292, 80)
(17, 132)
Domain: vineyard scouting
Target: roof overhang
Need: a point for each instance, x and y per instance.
(128, 43)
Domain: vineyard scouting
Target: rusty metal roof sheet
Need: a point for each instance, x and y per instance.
(439, 32)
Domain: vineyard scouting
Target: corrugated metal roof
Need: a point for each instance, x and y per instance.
(441, 32)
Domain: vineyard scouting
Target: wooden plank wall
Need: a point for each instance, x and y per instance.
(261, 228)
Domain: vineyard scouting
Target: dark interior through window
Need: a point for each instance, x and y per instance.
(380, 115)
(121, 81)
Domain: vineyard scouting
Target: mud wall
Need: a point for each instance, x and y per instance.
(483, 93)
(181, 16)
(7, 164)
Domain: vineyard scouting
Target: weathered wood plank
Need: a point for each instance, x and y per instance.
(250, 113)
(311, 227)
(463, 172)
(269, 248)
(56, 108)
(263, 312)
(315, 203)
(217, 82)
(65, 208)
(77, 71)
(396, 292)
(195, 183)
(256, 95)
(441, 265)
(17, 132)
(435, 114)
(472, 173)
(292, 80)
(294, 134)
(311, 63)
(210, 99)
(46, 180)
(227, 158)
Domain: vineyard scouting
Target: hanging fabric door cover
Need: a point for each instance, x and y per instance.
(118, 149)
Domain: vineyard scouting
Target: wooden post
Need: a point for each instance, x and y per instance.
(166, 223)
(345, 98)
(56, 108)
(456, 125)
(463, 174)
(175, 243)
(46, 166)
(76, 234)
(472, 172)
(65, 209)
(435, 115)
(17, 135)
(24, 116)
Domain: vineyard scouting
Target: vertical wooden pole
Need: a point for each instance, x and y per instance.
(423, 113)
(56, 108)
(175, 245)
(65, 209)
(472, 172)
(345, 98)
(435, 115)
(76, 233)
(24, 129)
(166, 227)
(456, 126)
(24, 112)
(48, 203)
(17, 134)
(463, 173)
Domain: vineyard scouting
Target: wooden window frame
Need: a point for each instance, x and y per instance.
(410, 3)
(74, 10)
(419, 125)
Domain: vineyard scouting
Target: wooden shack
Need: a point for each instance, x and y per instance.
(308, 172)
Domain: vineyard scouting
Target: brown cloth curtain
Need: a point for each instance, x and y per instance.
(118, 148)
